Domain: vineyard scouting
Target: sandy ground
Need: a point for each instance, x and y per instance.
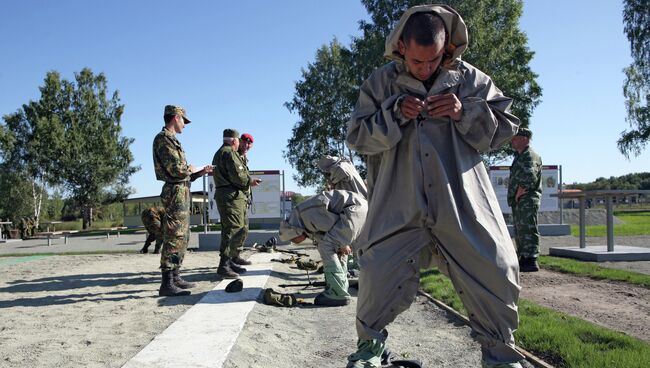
(89, 311)
(100, 310)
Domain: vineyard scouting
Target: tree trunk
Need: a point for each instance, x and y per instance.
(37, 199)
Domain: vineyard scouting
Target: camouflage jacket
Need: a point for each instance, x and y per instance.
(230, 171)
(169, 159)
(525, 171)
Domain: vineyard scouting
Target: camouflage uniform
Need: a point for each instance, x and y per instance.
(172, 168)
(526, 171)
(232, 184)
(151, 218)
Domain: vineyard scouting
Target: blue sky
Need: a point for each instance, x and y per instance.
(234, 64)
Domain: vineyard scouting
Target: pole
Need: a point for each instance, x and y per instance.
(561, 187)
(204, 213)
(282, 198)
(582, 222)
(610, 223)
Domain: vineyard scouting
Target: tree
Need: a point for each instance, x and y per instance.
(323, 102)
(497, 47)
(636, 17)
(71, 137)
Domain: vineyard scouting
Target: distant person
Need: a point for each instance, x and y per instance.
(151, 221)
(423, 120)
(333, 221)
(232, 183)
(524, 195)
(172, 168)
(342, 175)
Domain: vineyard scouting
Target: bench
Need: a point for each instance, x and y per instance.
(50, 235)
(109, 229)
(56, 235)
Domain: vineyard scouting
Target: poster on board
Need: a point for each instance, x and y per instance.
(266, 196)
(500, 178)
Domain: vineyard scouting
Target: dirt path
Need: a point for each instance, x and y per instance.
(616, 305)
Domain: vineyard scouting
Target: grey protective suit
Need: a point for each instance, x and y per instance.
(431, 198)
(342, 174)
(332, 219)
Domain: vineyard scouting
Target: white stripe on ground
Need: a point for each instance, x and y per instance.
(205, 334)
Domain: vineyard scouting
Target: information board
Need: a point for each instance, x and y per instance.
(266, 196)
(500, 177)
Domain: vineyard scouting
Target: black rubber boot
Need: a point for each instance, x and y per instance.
(156, 250)
(235, 267)
(240, 261)
(528, 265)
(145, 249)
(224, 269)
(178, 281)
(167, 287)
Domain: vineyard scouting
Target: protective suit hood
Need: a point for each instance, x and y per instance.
(456, 33)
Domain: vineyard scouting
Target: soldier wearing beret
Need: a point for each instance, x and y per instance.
(172, 168)
(524, 195)
(232, 185)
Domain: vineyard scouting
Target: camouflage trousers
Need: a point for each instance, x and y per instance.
(153, 226)
(524, 216)
(175, 224)
(234, 226)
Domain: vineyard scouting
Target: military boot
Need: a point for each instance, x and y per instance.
(225, 270)
(145, 248)
(240, 261)
(167, 287)
(528, 264)
(235, 267)
(156, 250)
(178, 281)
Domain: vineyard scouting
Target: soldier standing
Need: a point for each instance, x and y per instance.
(172, 168)
(232, 183)
(245, 144)
(422, 120)
(151, 221)
(524, 195)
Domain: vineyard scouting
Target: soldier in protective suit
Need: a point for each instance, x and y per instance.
(333, 220)
(172, 168)
(232, 184)
(423, 119)
(151, 221)
(342, 175)
(524, 195)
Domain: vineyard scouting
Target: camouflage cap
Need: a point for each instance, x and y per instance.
(235, 286)
(523, 132)
(230, 133)
(176, 110)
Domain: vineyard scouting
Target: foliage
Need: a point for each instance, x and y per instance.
(636, 89)
(327, 93)
(71, 137)
(323, 102)
(634, 181)
(298, 198)
(15, 195)
(635, 224)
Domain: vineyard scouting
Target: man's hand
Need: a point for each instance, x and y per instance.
(520, 192)
(411, 107)
(255, 182)
(445, 105)
(208, 169)
(344, 251)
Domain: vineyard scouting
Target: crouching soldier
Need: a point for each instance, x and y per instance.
(151, 221)
(333, 221)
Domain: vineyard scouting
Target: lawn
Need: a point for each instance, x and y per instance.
(557, 338)
(636, 223)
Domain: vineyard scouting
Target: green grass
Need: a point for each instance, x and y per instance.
(593, 270)
(561, 340)
(636, 223)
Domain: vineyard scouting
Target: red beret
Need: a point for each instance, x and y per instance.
(247, 137)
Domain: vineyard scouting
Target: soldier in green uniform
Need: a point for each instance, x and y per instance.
(524, 194)
(245, 145)
(151, 221)
(172, 168)
(232, 183)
